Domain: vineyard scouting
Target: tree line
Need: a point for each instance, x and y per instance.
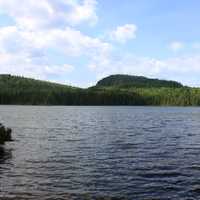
(24, 91)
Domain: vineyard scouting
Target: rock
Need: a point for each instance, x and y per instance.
(5, 134)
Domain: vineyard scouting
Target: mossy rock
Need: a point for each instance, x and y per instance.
(5, 134)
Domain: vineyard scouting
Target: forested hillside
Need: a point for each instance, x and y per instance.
(136, 81)
(113, 90)
(26, 91)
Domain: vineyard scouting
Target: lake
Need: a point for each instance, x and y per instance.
(141, 153)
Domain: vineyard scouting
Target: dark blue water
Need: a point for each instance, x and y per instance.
(136, 153)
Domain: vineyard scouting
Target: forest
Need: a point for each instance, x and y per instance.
(112, 90)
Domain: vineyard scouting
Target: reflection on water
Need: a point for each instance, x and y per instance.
(140, 153)
(4, 155)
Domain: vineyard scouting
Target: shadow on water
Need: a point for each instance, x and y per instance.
(5, 154)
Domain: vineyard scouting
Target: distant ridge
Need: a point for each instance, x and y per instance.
(136, 81)
(112, 90)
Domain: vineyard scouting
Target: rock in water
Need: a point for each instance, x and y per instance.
(5, 134)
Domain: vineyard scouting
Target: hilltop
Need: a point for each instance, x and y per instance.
(136, 81)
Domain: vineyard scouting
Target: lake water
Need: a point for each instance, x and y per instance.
(136, 153)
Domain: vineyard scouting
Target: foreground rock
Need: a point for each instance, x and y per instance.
(5, 134)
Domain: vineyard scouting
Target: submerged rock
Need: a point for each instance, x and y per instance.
(5, 134)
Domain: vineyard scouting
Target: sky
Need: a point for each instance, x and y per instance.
(77, 42)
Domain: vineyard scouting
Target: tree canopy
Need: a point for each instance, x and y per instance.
(113, 90)
(136, 81)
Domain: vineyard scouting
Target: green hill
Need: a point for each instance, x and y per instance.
(25, 91)
(113, 90)
(136, 81)
(20, 90)
(8, 81)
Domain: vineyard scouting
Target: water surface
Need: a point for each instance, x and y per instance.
(140, 153)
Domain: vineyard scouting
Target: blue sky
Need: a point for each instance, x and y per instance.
(77, 42)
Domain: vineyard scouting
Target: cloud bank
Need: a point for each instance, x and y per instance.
(54, 25)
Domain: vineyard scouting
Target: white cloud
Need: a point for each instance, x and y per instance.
(84, 12)
(19, 64)
(26, 52)
(31, 14)
(75, 43)
(126, 64)
(50, 24)
(176, 46)
(184, 69)
(124, 33)
(196, 45)
(41, 27)
(68, 40)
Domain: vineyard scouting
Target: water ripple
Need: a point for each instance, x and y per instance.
(101, 153)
